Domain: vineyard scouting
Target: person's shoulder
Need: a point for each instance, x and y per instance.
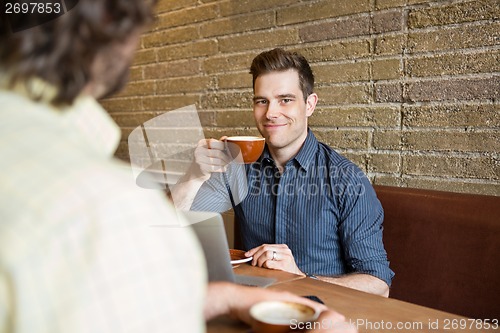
(330, 156)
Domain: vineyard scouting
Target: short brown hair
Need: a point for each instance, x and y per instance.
(280, 60)
(62, 50)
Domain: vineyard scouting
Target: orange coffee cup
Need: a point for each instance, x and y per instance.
(250, 147)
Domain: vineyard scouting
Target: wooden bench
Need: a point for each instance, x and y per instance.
(444, 248)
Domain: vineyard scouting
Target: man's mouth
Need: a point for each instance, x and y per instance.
(272, 125)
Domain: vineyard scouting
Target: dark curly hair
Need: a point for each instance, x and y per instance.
(281, 60)
(62, 50)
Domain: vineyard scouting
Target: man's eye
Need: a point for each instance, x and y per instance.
(286, 100)
(261, 101)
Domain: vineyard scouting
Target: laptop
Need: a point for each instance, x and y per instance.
(209, 228)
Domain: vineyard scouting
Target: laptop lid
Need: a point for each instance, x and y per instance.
(209, 229)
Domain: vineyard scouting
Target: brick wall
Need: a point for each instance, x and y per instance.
(409, 89)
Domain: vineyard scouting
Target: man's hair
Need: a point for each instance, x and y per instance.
(279, 60)
(62, 51)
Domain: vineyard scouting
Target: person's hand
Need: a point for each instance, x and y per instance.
(330, 321)
(236, 301)
(274, 256)
(210, 155)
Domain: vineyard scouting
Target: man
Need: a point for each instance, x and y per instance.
(81, 246)
(307, 209)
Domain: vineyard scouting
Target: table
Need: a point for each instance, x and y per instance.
(370, 313)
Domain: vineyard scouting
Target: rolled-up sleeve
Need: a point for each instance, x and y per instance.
(361, 230)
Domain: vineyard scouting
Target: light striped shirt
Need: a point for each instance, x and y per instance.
(82, 247)
(322, 206)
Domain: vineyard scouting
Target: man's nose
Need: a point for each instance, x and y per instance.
(272, 110)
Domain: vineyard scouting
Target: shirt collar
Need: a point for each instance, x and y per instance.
(85, 119)
(304, 157)
(93, 125)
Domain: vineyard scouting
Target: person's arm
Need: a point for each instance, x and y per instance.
(184, 192)
(221, 300)
(364, 282)
(361, 236)
(279, 256)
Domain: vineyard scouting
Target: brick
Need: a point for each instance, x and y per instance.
(387, 140)
(142, 57)
(388, 92)
(227, 100)
(486, 34)
(387, 180)
(482, 167)
(185, 85)
(339, 28)
(387, 69)
(234, 80)
(454, 89)
(200, 48)
(417, 2)
(218, 64)
(458, 141)
(187, 16)
(457, 186)
(121, 104)
(229, 8)
(170, 36)
(454, 64)
(366, 116)
(385, 163)
(452, 116)
(172, 69)
(136, 74)
(355, 94)
(140, 88)
(320, 10)
(237, 24)
(166, 5)
(453, 13)
(334, 51)
(235, 118)
(358, 158)
(132, 119)
(390, 45)
(341, 138)
(258, 40)
(346, 72)
(163, 103)
(384, 4)
(388, 21)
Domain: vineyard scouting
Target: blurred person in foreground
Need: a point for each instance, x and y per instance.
(304, 208)
(78, 248)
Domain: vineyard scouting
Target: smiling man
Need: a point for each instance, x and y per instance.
(306, 209)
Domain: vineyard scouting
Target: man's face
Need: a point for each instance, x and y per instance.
(280, 110)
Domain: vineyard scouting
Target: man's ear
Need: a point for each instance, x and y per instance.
(311, 102)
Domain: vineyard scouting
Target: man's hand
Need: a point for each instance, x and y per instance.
(210, 155)
(274, 256)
